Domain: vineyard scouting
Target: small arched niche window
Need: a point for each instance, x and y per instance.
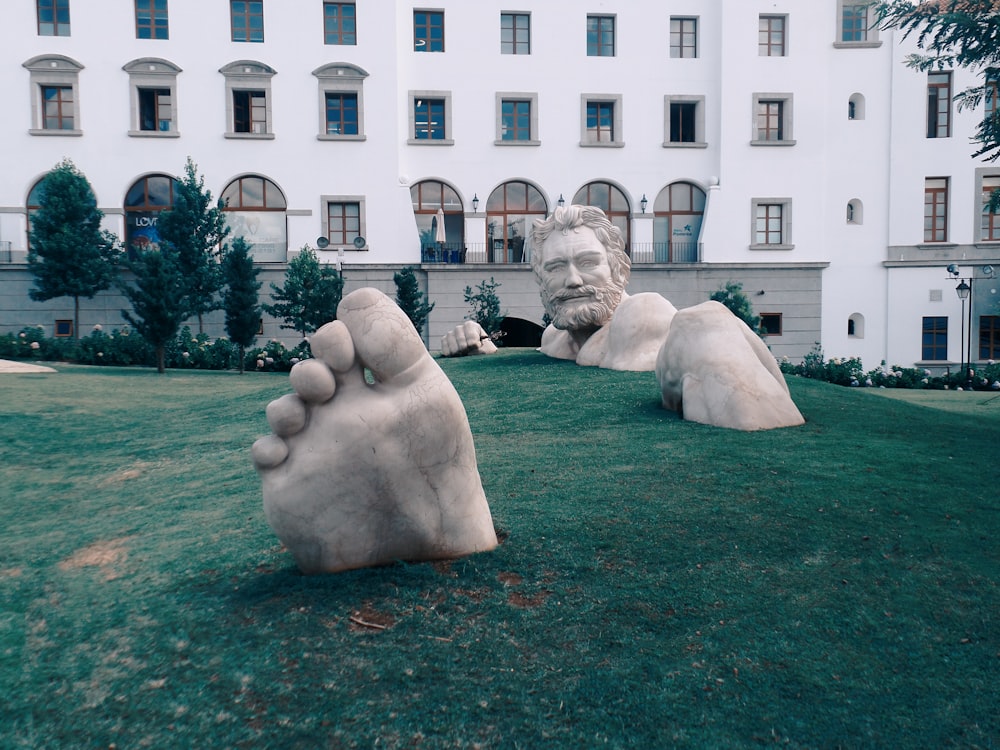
(855, 211)
(612, 200)
(255, 210)
(510, 211)
(144, 201)
(856, 107)
(856, 326)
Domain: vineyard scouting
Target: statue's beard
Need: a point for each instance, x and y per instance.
(593, 308)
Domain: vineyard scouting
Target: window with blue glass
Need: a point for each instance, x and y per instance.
(601, 122)
(935, 338)
(151, 19)
(341, 114)
(53, 17)
(247, 20)
(428, 31)
(429, 123)
(340, 23)
(515, 116)
(601, 36)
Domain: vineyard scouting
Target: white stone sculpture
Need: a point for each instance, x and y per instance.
(579, 260)
(358, 474)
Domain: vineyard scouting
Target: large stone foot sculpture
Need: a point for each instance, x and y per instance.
(359, 474)
(713, 369)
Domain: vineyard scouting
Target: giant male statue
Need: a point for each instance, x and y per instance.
(710, 366)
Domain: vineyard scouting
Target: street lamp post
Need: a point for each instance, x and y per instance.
(964, 292)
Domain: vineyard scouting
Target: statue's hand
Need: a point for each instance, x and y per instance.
(468, 338)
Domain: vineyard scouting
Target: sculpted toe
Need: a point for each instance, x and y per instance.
(332, 344)
(269, 452)
(286, 415)
(313, 381)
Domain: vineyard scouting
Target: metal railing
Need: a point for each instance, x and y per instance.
(481, 252)
(665, 252)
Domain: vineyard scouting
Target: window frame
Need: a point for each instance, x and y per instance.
(989, 337)
(678, 50)
(786, 102)
(771, 316)
(765, 49)
(933, 235)
(248, 75)
(988, 222)
(870, 33)
(153, 25)
(414, 97)
(336, 37)
(62, 328)
(515, 42)
(698, 102)
(147, 73)
(247, 28)
(785, 205)
(53, 6)
(426, 42)
(599, 47)
(938, 344)
(935, 98)
(53, 71)
(586, 139)
(344, 79)
(343, 200)
(529, 98)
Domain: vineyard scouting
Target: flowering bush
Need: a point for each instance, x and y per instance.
(850, 372)
(274, 357)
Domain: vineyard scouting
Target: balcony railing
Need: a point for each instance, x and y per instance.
(473, 252)
(665, 252)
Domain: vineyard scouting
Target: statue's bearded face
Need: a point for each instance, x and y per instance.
(579, 290)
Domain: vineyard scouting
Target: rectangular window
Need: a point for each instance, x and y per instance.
(682, 122)
(854, 22)
(990, 227)
(155, 109)
(600, 36)
(934, 343)
(770, 120)
(340, 23)
(151, 19)
(53, 17)
(515, 120)
(515, 34)
(428, 31)
(249, 111)
(601, 122)
(57, 108)
(771, 36)
(247, 20)
(429, 119)
(63, 329)
(341, 114)
(989, 337)
(683, 37)
(770, 323)
(769, 224)
(990, 99)
(936, 209)
(343, 222)
(938, 105)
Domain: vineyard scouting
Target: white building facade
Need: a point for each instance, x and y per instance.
(780, 144)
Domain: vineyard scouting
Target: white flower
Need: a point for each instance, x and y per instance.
(185, 354)
(294, 360)
(868, 382)
(260, 363)
(100, 354)
(34, 345)
(996, 385)
(21, 335)
(97, 327)
(927, 373)
(269, 360)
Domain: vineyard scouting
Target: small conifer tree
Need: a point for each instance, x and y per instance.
(410, 299)
(310, 295)
(240, 298)
(155, 297)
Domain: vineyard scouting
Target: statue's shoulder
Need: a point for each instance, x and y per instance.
(557, 343)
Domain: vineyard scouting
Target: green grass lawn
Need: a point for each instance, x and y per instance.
(661, 584)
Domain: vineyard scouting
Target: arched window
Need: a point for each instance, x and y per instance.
(434, 202)
(856, 326)
(510, 210)
(613, 202)
(144, 201)
(677, 214)
(34, 203)
(255, 210)
(855, 211)
(856, 107)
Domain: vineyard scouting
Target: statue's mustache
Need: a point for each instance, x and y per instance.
(577, 292)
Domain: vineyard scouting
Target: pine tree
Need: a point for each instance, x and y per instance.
(955, 33)
(240, 299)
(410, 299)
(194, 229)
(69, 254)
(310, 295)
(733, 297)
(156, 297)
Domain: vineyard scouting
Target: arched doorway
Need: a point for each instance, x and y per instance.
(610, 199)
(144, 201)
(255, 210)
(677, 215)
(429, 197)
(510, 210)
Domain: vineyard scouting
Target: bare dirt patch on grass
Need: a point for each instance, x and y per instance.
(107, 555)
